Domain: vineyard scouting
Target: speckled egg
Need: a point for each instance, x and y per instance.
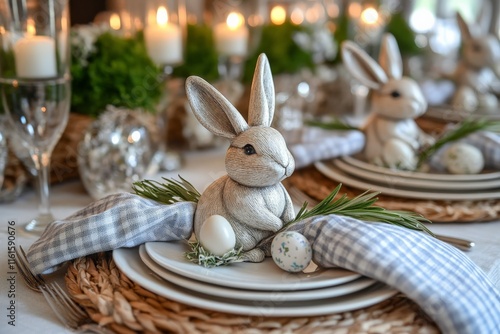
(462, 158)
(291, 251)
(217, 235)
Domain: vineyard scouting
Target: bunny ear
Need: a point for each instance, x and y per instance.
(390, 57)
(465, 30)
(213, 110)
(484, 17)
(261, 108)
(362, 66)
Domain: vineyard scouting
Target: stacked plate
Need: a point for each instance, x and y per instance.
(362, 175)
(258, 289)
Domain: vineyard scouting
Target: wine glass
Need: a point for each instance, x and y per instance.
(35, 84)
(164, 34)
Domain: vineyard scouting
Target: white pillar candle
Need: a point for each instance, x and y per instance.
(231, 37)
(35, 57)
(163, 40)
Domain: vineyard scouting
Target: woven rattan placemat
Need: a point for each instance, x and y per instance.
(318, 186)
(113, 300)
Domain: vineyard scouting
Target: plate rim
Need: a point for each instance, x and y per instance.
(138, 272)
(405, 193)
(416, 183)
(419, 175)
(293, 284)
(253, 295)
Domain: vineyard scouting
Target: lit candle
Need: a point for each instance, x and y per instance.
(163, 40)
(231, 37)
(35, 57)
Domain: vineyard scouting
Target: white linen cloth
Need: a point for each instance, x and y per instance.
(438, 277)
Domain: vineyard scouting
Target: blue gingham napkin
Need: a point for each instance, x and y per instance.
(318, 144)
(487, 142)
(118, 220)
(450, 288)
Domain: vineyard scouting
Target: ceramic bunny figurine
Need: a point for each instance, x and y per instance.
(475, 71)
(251, 196)
(392, 136)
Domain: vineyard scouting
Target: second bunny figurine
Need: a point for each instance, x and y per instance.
(251, 196)
(392, 136)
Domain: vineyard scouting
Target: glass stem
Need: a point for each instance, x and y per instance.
(43, 166)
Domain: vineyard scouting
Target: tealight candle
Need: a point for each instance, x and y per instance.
(35, 57)
(163, 40)
(231, 37)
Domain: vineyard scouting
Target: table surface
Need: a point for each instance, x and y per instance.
(32, 314)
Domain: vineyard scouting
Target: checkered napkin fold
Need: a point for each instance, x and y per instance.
(315, 144)
(450, 288)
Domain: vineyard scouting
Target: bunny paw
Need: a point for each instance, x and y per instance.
(253, 255)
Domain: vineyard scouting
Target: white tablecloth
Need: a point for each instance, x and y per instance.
(32, 314)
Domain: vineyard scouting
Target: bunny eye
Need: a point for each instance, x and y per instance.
(476, 48)
(248, 149)
(395, 94)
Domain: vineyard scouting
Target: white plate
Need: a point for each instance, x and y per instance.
(406, 182)
(329, 170)
(421, 176)
(219, 291)
(129, 262)
(447, 113)
(266, 276)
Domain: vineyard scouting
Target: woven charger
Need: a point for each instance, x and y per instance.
(113, 300)
(316, 185)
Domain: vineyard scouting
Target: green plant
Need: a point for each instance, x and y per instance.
(283, 53)
(117, 71)
(200, 57)
(404, 35)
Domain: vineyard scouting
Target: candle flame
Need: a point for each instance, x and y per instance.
(369, 16)
(162, 16)
(278, 15)
(30, 27)
(297, 16)
(115, 22)
(235, 20)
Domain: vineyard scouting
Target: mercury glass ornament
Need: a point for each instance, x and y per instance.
(117, 150)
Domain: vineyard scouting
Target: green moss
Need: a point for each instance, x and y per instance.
(118, 72)
(200, 57)
(403, 34)
(281, 50)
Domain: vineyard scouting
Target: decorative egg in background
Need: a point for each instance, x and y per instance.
(217, 235)
(291, 251)
(462, 158)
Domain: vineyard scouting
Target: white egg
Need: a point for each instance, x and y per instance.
(291, 251)
(465, 99)
(399, 155)
(488, 101)
(217, 235)
(462, 158)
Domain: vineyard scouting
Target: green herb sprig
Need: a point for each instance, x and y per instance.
(464, 129)
(169, 192)
(201, 256)
(361, 207)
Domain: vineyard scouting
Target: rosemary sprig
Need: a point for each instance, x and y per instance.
(464, 129)
(170, 192)
(332, 125)
(362, 207)
(201, 256)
